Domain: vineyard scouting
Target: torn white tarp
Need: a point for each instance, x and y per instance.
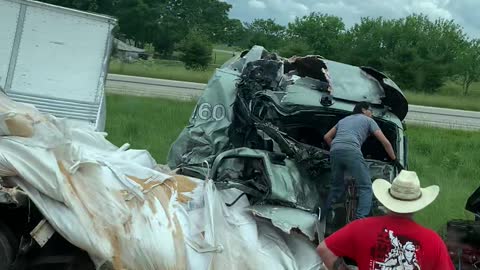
(115, 204)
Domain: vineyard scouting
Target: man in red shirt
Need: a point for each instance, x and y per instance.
(393, 241)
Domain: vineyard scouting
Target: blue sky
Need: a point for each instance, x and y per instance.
(464, 12)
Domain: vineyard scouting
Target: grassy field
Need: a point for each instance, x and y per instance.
(146, 123)
(449, 159)
(161, 69)
(443, 157)
(168, 69)
(449, 96)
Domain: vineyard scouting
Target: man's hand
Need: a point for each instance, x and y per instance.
(329, 259)
(397, 164)
(330, 135)
(386, 144)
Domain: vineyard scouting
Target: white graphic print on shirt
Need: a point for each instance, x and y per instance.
(397, 255)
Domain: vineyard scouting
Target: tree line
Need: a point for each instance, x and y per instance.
(418, 53)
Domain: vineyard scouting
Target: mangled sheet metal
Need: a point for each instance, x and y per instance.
(262, 118)
(127, 211)
(281, 218)
(206, 133)
(266, 178)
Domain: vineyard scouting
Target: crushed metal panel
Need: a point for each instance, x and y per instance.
(352, 83)
(206, 134)
(283, 181)
(394, 97)
(286, 218)
(379, 169)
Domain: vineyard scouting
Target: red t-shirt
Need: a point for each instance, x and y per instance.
(390, 243)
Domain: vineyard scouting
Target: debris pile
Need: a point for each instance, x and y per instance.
(127, 211)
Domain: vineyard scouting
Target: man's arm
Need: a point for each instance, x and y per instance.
(386, 144)
(331, 261)
(330, 135)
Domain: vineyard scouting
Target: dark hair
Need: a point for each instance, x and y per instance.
(361, 105)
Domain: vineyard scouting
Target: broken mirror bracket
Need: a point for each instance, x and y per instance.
(42, 232)
(326, 100)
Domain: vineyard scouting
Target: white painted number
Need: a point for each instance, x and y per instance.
(218, 112)
(206, 112)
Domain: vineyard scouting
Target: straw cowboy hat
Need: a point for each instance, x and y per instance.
(404, 194)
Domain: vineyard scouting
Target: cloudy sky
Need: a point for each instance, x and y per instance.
(464, 12)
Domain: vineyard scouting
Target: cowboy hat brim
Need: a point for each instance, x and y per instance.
(381, 191)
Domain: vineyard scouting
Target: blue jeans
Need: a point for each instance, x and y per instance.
(353, 163)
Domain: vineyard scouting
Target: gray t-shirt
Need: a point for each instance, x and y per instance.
(352, 131)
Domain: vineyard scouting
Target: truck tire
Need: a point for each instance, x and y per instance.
(7, 249)
(81, 262)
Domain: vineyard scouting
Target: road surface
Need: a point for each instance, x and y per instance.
(140, 86)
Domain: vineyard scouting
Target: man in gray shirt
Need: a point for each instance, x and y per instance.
(346, 139)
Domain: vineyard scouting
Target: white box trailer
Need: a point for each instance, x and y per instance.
(56, 59)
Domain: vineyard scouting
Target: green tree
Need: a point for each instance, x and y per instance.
(136, 20)
(85, 5)
(196, 50)
(324, 33)
(266, 33)
(468, 64)
(417, 52)
(424, 51)
(368, 43)
(175, 18)
(235, 33)
(295, 47)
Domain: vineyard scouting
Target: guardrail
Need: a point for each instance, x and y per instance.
(149, 87)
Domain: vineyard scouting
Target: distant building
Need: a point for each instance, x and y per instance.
(129, 52)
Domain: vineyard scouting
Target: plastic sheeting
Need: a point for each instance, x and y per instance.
(242, 241)
(117, 204)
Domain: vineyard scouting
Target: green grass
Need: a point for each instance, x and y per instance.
(146, 123)
(168, 69)
(161, 69)
(218, 58)
(227, 48)
(447, 158)
(449, 96)
(453, 102)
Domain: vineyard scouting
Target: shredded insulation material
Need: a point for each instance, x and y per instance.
(124, 209)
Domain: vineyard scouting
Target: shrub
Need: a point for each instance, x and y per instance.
(195, 51)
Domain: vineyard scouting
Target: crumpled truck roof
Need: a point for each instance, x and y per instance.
(346, 82)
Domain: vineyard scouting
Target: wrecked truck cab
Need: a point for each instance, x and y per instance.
(462, 236)
(260, 122)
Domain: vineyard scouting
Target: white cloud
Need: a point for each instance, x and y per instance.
(288, 8)
(257, 4)
(434, 9)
